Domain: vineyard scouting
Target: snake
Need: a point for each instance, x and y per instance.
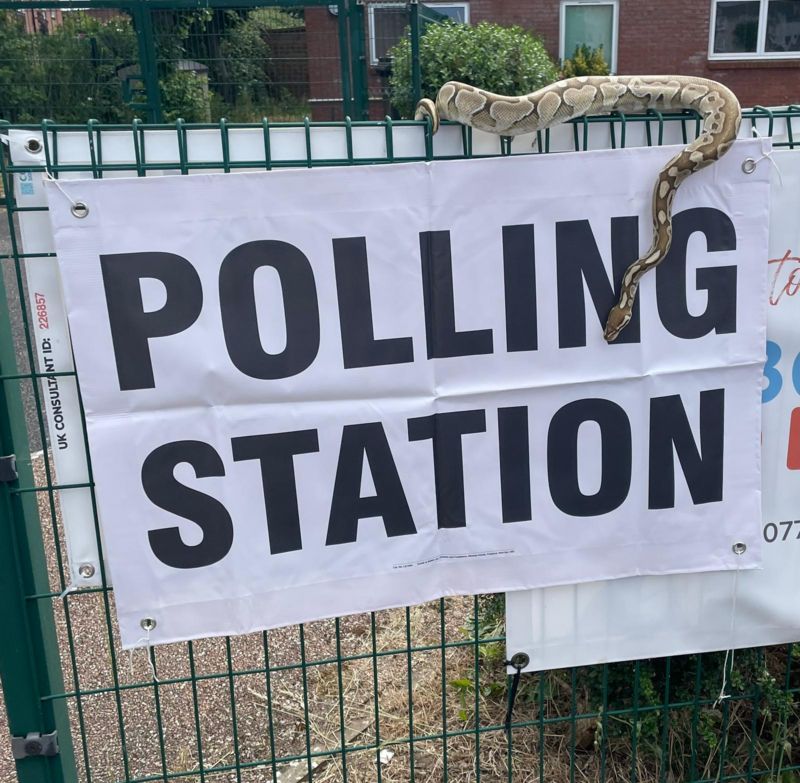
(579, 96)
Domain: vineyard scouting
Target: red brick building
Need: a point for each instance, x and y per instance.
(753, 46)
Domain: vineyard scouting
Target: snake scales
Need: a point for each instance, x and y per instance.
(583, 95)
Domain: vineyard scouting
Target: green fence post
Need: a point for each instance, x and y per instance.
(416, 72)
(348, 109)
(143, 24)
(30, 666)
(358, 62)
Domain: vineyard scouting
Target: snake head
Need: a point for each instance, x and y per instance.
(427, 108)
(618, 319)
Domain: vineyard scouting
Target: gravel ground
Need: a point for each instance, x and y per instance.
(6, 762)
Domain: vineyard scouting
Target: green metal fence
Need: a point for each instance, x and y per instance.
(160, 60)
(416, 694)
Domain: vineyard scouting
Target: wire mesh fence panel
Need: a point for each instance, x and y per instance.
(162, 62)
(244, 63)
(67, 64)
(418, 693)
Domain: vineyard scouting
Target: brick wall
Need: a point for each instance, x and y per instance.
(324, 70)
(674, 41)
(765, 82)
(539, 16)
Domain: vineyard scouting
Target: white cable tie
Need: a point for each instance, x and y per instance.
(766, 154)
(47, 174)
(144, 641)
(730, 651)
(70, 588)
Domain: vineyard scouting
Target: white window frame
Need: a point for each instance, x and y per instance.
(373, 59)
(761, 37)
(562, 28)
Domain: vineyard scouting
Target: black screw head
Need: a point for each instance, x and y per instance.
(33, 747)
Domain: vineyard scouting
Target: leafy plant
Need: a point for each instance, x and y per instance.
(585, 61)
(505, 60)
(19, 96)
(464, 687)
(184, 33)
(245, 56)
(70, 73)
(184, 95)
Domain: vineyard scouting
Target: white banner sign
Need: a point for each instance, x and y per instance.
(318, 392)
(652, 616)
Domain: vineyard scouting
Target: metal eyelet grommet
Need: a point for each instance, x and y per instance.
(79, 210)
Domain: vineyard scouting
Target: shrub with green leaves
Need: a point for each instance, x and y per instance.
(505, 60)
(245, 56)
(585, 61)
(69, 74)
(185, 95)
(21, 98)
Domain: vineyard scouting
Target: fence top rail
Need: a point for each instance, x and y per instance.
(791, 112)
(139, 148)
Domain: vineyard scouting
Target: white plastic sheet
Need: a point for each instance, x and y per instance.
(590, 211)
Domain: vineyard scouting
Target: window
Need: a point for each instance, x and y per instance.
(592, 23)
(388, 22)
(747, 29)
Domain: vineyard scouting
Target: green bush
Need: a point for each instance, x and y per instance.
(245, 57)
(185, 95)
(20, 95)
(80, 59)
(505, 60)
(585, 61)
(70, 74)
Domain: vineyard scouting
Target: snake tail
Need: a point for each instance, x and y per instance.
(427, 108)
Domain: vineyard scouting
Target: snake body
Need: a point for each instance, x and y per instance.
(584, 95)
